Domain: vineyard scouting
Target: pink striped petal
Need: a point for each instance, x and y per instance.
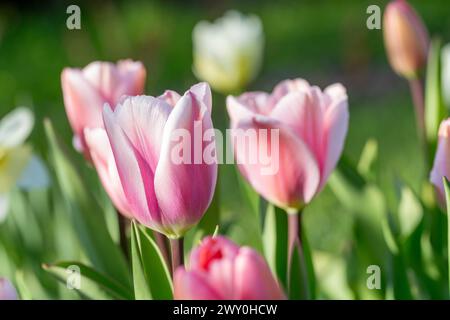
(202, 93)
(335, 126)
(82, 102)
(170, 97)
(135, 172)
(441, 166)
(192, 285)
(103, 159)
(299, 111)
(253, 279)
(185, 190)
(297, 176)
(114, 80)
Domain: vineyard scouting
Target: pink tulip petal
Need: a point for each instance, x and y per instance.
(441, 166)
(185, 190)
(237, 111)
(297, 176)
(336, 125)
(170, 97)
(113, 81)
(7, 290)
(192, 285)
(287, 86)
(135, 172)
(221, 277)
(253, 279)
(103, 159)
(248, 104)
(202, 93)
(212, 248)
(82, 102)
(301, 112)
(142, 118)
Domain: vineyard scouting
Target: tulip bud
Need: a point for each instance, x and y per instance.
(7, 290)
(406, 39)
(441, 166)
(228, 53)
(311, 125)
(221, 270)
(163, 194)
(86, 90)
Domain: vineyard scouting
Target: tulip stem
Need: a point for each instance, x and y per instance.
(416, 87)
(177, 249)
(295, 247)
(123, 240)
(161, 242)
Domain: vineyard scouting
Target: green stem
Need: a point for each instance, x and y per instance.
(177, 250)
(123, 240)
(162, 244)
(295, 247)
(417, 94)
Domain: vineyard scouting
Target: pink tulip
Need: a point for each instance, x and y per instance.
(312, 125)
(7, 290)
(406, 38)
(163, 194)
(441, 166)
(102, 156)
(86, 90)
(220, 270)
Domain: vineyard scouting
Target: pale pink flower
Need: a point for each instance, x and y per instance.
(312, 126)
(164, 195)
(221, 270)
(86, 90)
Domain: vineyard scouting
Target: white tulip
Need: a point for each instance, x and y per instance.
(228, 53)
(18, 166)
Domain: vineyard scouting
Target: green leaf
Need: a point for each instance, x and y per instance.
(301, 274)
(447, 199)
(141, 288)
(93, 284)
(275, 241)
(410, 212)
(347, 184)
(151, 275)
(368, 159)
(86, 213)
(435, 110)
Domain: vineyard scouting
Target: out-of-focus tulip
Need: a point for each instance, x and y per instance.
(18, 166)
(446, 74)
(164, 194)
(7, 290)
(102, 156)
(86, 90)
(228, 53)
(441, 166)
(221, 270)
(406, 39)
(311, 126)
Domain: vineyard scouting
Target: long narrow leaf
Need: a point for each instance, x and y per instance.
(85, 214)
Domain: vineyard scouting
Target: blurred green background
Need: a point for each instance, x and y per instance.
(321, 41)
